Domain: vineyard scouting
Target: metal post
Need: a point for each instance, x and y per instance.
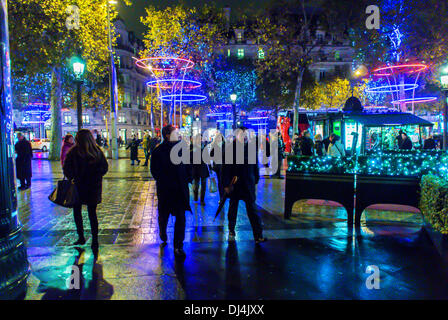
(113, 93)
(234, 115)
(445, 121)
(79, 103)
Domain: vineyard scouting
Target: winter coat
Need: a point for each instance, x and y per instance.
(336, 149)
(134, 148)
(64, 150)
(248, 176)
(172, 180)
(87, 173)
(429, 143)
(319, 147)
(153, 144)
(406, 144)
(23, 161)
(306, 146)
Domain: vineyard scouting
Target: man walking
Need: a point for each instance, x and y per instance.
(23, 161)
(244, 189)
(145, 145)
(172, 188)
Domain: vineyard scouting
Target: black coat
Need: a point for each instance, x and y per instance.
(248, 176)
(88, 175)
(406, 144)
(171, 180)
(134, 148)
(319, 147)
(429, 143)
(306, 146)
(198, 170)
(23, 161)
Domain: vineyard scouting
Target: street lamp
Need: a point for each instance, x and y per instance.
(113, 90)
(444, 81)
(359, 72)
(78, 66)
(233, 99)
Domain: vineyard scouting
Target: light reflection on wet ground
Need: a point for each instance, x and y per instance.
(312, 256)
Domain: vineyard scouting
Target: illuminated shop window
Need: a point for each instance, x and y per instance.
(67, 118)
(240, 53)
(85, 118)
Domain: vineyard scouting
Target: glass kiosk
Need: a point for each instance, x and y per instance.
(14, 267)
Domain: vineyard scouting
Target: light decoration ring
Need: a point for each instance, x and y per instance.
(193, 84)
(399, 68)
(393, 88)
(415, 100)
(155, 63)
(185, 97)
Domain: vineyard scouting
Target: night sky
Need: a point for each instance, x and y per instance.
(131, 15)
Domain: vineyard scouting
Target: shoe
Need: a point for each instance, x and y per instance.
(260, 240)
(179, 252)
(232, 236)
(80, 242)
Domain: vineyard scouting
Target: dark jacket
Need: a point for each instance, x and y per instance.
(198, 170)
(23, 161)
(64, 150)
(319, 147)
(153, 142)
(171, 180)
(248, 176)
(429, 143)
(406, 144)
(133, 145)
(88, 175)
(306, 146)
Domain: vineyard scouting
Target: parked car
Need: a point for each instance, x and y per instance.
(40, 144)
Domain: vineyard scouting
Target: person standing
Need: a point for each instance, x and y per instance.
(173, 194)
(244, 189)
(336, 149)
(145, 145)
(86, 165)
(296, 144)
(66, 145)
(23, 161)
(218, 144)
(429, 143)
(133, 145)
(319, 145)
(406, 143)
(306, 144)
(199, 171)
(280, 154)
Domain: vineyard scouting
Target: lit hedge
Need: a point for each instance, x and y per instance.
(434, 202)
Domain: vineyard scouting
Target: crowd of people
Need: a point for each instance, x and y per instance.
(304, 145)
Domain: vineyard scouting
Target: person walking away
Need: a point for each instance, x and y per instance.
(244, 189)
(218, 144)
(145, 145)
(306, 144)
(319, 145)
(172, 188)
(133, 145)
(406, 143)
(68, 142)
(120, 141)
(429, 144)
(86, 165)
(199, 171)
(280, 154)
(336, 149)
(23, 161)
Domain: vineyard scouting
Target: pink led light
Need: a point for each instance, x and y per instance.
(415, 67)
(163, 83)
(415, 100)
(147, 63)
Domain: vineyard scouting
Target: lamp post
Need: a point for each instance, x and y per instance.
(233, 99)
(78, 66)
(444, 81)
(112, 89)
(359, 72)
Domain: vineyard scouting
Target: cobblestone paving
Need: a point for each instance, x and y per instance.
(133, 265)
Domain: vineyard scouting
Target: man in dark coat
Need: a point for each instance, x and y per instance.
(172, 188)
(199, 171)
(406, 143)
(429, 144)
(244, 189)
(23, 161)
(134, 150)
(306, 144)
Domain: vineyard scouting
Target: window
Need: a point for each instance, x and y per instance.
(67, 118)
(228, 52)
(239, 35)
(260, 53)
(240, 53)
(337, 56)
(321, 75)
(85, 119)
(121, 118)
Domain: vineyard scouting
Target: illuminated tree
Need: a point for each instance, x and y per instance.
(41, 43)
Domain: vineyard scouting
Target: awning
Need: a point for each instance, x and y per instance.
(388, 119)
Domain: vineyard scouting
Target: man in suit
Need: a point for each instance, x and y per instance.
(172, 188)
(244, 189)
(23, 161)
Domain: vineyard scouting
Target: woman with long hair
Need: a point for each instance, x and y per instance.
(86, 165)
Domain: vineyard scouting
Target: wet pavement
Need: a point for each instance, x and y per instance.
(312, 256)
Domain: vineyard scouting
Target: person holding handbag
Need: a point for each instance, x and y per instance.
(336, 149)
(86, 165)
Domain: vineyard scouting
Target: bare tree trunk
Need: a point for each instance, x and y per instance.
(297, 99)
(56, 106)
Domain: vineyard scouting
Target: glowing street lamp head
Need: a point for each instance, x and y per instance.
(361, 71)
(78, 66)
(113, 1)
(233, 97)
(444, 76)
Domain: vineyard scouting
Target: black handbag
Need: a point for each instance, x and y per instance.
(65, 194)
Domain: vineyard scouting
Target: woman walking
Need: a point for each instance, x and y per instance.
(86, 165)
(66, 145)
